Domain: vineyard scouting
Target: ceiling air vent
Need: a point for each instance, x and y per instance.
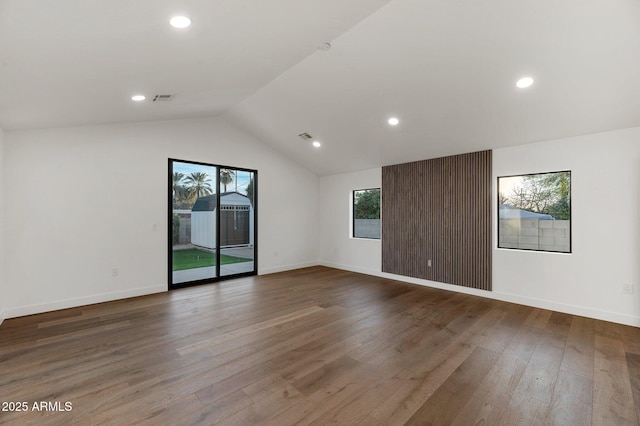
(305, 136)
(162, 98)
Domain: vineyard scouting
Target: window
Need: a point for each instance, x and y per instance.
(366, 213)
(534, 212)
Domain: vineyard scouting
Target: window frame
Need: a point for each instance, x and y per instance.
(570, 220)
(353, 213)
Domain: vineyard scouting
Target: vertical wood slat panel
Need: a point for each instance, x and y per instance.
(439, 209)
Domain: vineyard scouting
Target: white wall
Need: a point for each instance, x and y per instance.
(337, 248)
(3, 291)
(83, 201)
(605, 184)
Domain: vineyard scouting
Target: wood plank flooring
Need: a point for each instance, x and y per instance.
(317, 346)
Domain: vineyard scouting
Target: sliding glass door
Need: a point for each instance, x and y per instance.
(212, 222)
(237, 221)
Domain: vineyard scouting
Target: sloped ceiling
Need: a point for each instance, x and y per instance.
(78, 62)
(446, 69)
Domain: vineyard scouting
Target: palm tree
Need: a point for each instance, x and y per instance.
(178, 189)
(199, 184)
(226, 177)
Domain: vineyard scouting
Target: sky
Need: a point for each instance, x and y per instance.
(506, 185)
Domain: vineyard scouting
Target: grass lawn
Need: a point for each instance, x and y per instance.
(195, 258)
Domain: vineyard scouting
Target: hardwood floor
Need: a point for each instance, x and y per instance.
(318, 346)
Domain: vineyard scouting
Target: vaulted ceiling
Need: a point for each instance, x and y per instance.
(445, 69)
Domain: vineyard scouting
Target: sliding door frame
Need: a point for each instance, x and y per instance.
(217, 278)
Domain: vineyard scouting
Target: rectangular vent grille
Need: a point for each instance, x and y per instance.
(162, 98)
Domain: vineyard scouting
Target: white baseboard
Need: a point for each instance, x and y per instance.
(273, 270)
(569, 309)
(107, 297)
(505, 297)
(81, 301)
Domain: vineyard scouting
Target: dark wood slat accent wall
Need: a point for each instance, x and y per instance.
(439, 209)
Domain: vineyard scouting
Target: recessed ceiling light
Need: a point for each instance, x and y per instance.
(393, 121)
(138, 98)
(180, 22)
(524, 82)
(316, 144)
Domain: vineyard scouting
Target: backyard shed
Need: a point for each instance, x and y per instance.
(510, 212)
(236, 221)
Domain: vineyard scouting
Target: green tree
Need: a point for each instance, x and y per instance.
(226, 177)
(198, 184)
(367, 204)
(175, 225)
(249, 190)
(561, 184)
(547, 193)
